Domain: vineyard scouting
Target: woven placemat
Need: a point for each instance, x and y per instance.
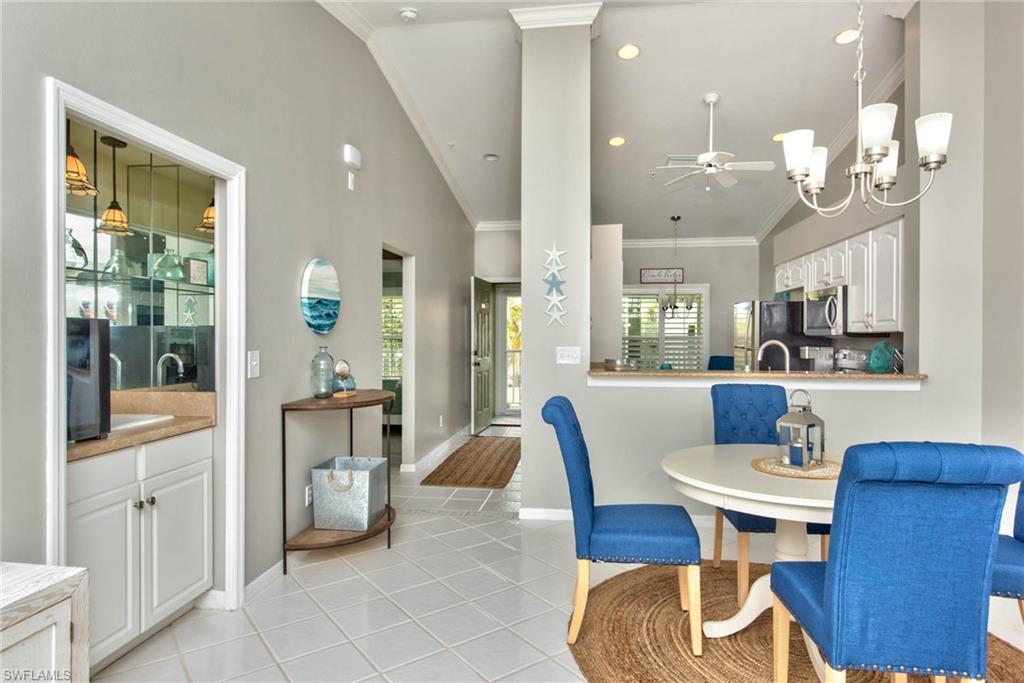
(773, 465)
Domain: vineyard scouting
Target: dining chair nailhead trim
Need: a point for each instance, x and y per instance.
(639, 560)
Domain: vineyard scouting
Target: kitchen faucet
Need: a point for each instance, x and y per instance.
(773, 342)
(117, 370)
(181, 367)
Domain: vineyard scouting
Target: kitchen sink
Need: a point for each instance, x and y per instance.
(121, 422)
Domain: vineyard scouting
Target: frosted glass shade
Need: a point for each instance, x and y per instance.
(887, 167)
(933, 134)
(819, 163)
(876, 124)
(796, 145)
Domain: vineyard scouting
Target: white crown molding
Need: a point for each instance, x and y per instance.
(352, 18)
(405, 98)
(899, 9)
(886, 87)
(690, 242)
(498, 226)
(556, 16)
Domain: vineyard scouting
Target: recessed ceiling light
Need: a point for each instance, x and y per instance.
(848, 36)
(778, 137)
(628, 51)
(617, 141)
(491, 156)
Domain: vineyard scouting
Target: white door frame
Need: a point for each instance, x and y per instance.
(408, 357)
(61, 100)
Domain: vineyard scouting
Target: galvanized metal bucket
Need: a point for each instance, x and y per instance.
(349, 494)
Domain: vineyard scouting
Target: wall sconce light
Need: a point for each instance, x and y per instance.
(354, 161)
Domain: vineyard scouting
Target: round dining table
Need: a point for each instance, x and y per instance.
(723, 476)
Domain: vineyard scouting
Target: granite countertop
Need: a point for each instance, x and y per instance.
(192, 411)
(598, 370)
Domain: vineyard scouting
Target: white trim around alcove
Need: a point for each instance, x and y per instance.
(61, 100)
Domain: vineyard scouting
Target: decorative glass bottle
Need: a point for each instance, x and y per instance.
(74, 253)
(117, 265)
(322, 374)
(169, 267)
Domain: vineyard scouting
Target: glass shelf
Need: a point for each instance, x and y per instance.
(87, 276)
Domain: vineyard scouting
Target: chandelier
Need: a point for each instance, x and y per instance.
(874, 169)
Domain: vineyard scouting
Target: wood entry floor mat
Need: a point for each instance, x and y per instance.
(635, 631)
(483, 462)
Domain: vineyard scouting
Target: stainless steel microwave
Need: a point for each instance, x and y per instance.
(825, 312)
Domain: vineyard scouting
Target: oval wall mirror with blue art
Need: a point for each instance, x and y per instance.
(320, 295)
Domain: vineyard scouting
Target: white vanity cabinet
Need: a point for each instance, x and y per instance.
(141, 521)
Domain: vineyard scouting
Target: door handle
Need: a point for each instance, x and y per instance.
(139, 504)
(151, 500)
(831, 312)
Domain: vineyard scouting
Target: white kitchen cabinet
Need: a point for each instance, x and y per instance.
(818, 275)
(148, 540)
(103, 536)
(798, 272)
(837, 264)
(782, 277)
(177, 560)
(875, 281)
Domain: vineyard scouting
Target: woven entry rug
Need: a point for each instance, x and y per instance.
(483, 462)
(635, 631)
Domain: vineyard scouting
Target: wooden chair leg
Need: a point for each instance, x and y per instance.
(1020, 603)
(579, 599)
(833, 676)
(693, 597)
(742, 566)
(899, 678)
(683, 602)
(719, 522)
(939, 679)
(780, 641)
(824, 547)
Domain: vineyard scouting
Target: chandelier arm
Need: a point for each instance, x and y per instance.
(865, 183)
(931, 179)
(837, 208)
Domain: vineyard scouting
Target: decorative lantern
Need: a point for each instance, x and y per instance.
(800, 435)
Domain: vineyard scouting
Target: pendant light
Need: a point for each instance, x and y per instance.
(670, 306)
(209, 219)
(75, 176)
(114, 220)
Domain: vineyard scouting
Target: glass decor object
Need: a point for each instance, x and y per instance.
(321, 375)
(76, 179)
(320, 295)
(114, 220)
(117, 265)
(800, 435)
(75, 255)
(169, 267)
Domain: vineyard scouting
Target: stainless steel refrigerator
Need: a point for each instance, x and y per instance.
(755, 322)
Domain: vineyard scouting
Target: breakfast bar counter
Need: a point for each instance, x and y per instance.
(597, 376)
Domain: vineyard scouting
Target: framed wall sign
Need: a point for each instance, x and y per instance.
(661, 276)
(198, 271)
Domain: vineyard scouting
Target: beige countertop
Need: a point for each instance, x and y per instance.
(599, 371)
(192, 411)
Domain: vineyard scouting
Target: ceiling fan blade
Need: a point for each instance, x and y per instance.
(671, 159)
(724, 179)
(675, 168)
(684, 177)
(714, 158)
(750, 166)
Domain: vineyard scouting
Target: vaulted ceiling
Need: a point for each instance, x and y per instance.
(456, 69)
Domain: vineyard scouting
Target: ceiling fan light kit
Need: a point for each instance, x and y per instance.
(875, 168)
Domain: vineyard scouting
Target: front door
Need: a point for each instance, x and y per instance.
(482, 345)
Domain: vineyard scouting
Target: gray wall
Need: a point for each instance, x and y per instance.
(731, 272)
(497, 254)
(278, 88)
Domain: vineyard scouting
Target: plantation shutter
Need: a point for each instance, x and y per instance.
(391, 337)
(684, 334)
(640, 329)
(650, 337)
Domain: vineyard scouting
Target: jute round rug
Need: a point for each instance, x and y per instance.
(634, 630)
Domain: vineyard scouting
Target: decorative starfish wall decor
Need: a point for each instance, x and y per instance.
(552, 278)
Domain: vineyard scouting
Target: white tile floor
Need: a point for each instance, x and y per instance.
(458, 598)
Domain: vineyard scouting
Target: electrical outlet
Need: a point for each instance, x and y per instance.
(252, 364)
(567, 355)
(440, 422)
(309, 495)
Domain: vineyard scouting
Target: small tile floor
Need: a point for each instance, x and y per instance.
(458, 598)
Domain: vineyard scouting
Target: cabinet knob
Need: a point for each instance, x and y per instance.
(151, 500)
(139, 504)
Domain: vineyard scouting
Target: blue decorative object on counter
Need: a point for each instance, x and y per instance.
(321, 379)
(880, 360)
(665, 366)
(320, 295)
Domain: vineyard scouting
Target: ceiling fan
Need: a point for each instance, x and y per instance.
(711, 164)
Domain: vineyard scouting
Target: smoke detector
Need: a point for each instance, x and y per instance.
(408, 14)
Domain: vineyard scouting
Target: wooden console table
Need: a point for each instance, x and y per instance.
(312, 538)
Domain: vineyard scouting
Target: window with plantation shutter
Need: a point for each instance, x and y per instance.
(391, 310)
(652, 336)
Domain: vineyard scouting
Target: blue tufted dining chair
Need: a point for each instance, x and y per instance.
(648, 534)
(1008, 569)
(746, 413)
(906, 586)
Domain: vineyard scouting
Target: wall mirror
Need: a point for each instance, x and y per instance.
(320, 295)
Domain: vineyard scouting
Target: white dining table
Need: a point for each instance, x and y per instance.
(722, 475)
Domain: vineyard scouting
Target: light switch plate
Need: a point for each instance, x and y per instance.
(252, 365)
(567, 355)
(309, 495)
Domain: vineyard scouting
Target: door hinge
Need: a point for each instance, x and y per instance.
(72, 631)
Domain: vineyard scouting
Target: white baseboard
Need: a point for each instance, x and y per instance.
(562, 515)
(256, 586)
(443, 449)
(212, 599)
